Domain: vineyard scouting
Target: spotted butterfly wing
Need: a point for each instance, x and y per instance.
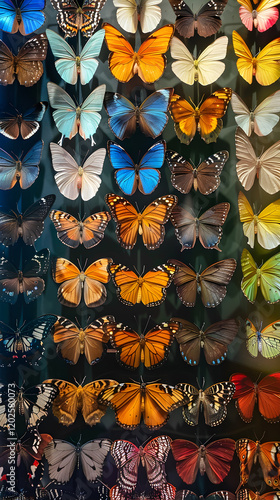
(72, 17)
(268, 455)
(206, 22)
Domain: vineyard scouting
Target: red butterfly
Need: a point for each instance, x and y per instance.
(268, 454)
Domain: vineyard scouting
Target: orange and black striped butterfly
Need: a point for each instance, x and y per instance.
(149, 223)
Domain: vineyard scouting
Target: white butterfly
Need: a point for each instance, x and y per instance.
(206, 69)
(262, 120)
(71, 179)
(128, 12)
(63, 457)
(266, 167)
(69, 65)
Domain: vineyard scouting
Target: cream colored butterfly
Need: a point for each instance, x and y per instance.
(148, 12)
(206, 69)
(262, 119)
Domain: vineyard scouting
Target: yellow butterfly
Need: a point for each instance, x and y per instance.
(266, 225)
(267, 277)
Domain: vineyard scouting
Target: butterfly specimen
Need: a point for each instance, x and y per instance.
(148, 63)
(26, 341)
(73, 17)
(149, 223)
(64, 457)
(266, 393)
(206, 118)
(147, 12)
(151, 115)
(214, 459)
(264, 66)
(152, 456)
(205, 69)
(32, 403)
(207, 21)
(211, 283)
(144, 175)
(73, 341)
(262, 119)
(23, 16)
(213, 400)
(266, 277)
(268, 455)
(166, 492)
(21, 169)
(151, 349)
(214, 340)
(131, 401)
(245, 494)
(25, 124)
(264, 225)
(26, 281)
(29, 225)
(265, 341)
(69, 65)
(216, 495)
(149, 289)
(75, 281)
(265, 167)
(205, 178)
(261, 17)
(71, 119)
(207, 227)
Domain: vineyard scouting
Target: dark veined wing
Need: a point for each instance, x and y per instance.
(207, 21)
(185, 282)
(72, 17)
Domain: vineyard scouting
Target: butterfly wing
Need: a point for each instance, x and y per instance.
(29, 166)
(246, 451)
(36, 403)
(211, 112)
(62, 460)
(92, 409)
(242, 113)
(216, 339)
(128, 344)
(127, 15)
(72, 232)
(157, 342)
(66, 405)
(183, 115)
(126, 282)
(96, 274)
(219, 455)
(125, 399)
(29, 67)
(67, 177)
(126, 218)
(9, 282)
(216, 399)
(245, 395)
(185, 227)
(160, 400)
(247, 166)
(182, 172)
(210, 225)
(269, 455)
(207, 22)
(28, 122)
(192, 407)
(66, 65)
(90, 51)
(153, 219)
(125, 173)
(122, 57)
(249, 283)
(267, 69)
(65, 114)
(7, 65)
(122, 115)
(93, 454)
(32, 223)
(269, 274)
(247, 217)
(269, 397)
(155, 455)
(149, 175)
(153, 112)
(90, 180)
(150, 15)
(151, 61)
(186, 455)
(265, 117)
(69, 339)
(213, 281)
(127, 459)
(189, 339)
(90, 118)
(155, 283)
(266, 341)
(185, 282)
(70, 291)
(245, 59)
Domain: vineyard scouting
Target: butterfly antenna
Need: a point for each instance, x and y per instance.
(77, 321)
(136, 270)
(198, 384)
(76, 381)
(137, 206)
(143, 270)
(83, 380)
(260, 374)
(146, 326)
(209, 439)
(106, 486)
(85, 264)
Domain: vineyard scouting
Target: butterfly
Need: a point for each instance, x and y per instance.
(265, 341)
(262, 17)
(24, 16)
(205, 178)
(72, 341)
(74, 281)
(64, 457)
(266, 392)
(265, 224)
(214, 459)
(32, 403)
(149, 289)
(73, 17)
(26, 281)
(149, 223)
(25, 124)
(148, 63)
(264, 66)
(147, 11)
(211, 283)
(207, 21)
(166, 492)
(265, 167)
(207, 227)
(152, 456)
(71, 119)
(205, 118)
(23, 170)
(26, 341)
(69, 65)
(216, 495)
(131, 401)
(245, 494)
(214, 340)
(213, 400)
(151, 349)
(29, 225)
(268, 454)
(262, 119)
(144, 175)
(205, 69)
(266, 277)
(151, 115)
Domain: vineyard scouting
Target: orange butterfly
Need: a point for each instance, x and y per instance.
(149, 289)
(149, 223)
(205, 118)
(132, 400)
(74, 281)
(149, 62)
(268, 454)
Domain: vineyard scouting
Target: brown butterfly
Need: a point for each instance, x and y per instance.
(25, 124)
(268, 454)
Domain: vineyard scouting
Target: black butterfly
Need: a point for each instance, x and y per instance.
(72, 17)
(25, 124)
(207, 21)
(28, 281)
(22, 343)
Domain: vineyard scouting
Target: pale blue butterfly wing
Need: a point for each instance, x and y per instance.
(122, 115)
(29, 169)
(153, 112)
(90, 118)
(149, 175)
(65, 115)
(89, 64)
(24, 17)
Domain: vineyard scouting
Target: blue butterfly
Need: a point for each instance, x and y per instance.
(24, 170)
(150, 115)
(24, 17)
(129, 176)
